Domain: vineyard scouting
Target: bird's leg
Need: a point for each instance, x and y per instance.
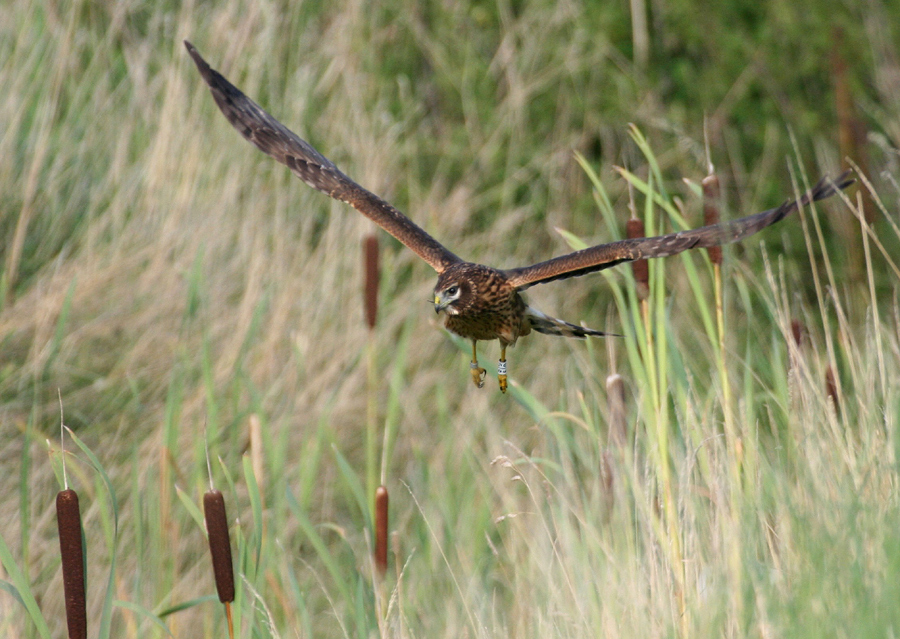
(478, 373)
(501, 368)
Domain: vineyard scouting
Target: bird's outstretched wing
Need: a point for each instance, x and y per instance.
(275, 139)
(597, 258)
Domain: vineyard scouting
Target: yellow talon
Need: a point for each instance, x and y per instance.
(478, 374)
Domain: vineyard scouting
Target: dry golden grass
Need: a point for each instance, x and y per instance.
(173, 283)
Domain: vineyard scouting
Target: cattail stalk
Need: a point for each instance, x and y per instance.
(634, 229)
(381, 530)
(617, 435)
(615, 394)
(640, 269)
(711, 206)
(256, 454)
(71, 549)
(656, 374)
(398, 593)
(640, 35)
(711, 201)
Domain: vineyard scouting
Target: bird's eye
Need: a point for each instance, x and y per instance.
(453, 290)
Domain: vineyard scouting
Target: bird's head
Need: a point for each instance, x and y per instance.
(457, 289)
(449, 295)
(470, 289)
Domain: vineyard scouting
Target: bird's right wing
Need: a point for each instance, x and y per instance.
(273, 138)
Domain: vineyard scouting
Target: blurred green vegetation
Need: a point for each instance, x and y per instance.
(174, 287)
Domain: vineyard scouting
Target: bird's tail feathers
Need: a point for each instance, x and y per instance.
(552, 326)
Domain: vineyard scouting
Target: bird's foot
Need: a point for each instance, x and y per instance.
(478, 374)
(501, 374)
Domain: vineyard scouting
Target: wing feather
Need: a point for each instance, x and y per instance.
(273, 138)
(603, 256)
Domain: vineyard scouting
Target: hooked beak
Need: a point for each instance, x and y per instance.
(438, 306)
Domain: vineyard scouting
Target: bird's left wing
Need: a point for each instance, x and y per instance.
(597, 258)
(275, 139)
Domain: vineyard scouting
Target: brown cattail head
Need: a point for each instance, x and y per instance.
(71, 549)
(608, 479)
(634, 229)
(381, 529)
(219, 544)
(615, 397)
(370, 292)
(798, 330)
(798, 335)
(711, 216)
(831, 386)
(851, 129)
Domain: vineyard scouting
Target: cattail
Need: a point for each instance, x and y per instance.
(71, 549)
(710, 186)
(381, 529)
(634, 229)
(256, 452)
(798, 334)
(608, 479)
(798, 330)
(395, 546)
(219, 544)
(831, 386)
(851, 129)
(370, 292)
(618, 427)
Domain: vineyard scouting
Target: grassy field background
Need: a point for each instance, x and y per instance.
(179, 292)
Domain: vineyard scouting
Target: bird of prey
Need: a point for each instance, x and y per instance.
(479, 303)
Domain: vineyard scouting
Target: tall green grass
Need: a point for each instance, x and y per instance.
(175, 287)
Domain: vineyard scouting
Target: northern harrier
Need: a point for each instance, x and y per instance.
(479, 302)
